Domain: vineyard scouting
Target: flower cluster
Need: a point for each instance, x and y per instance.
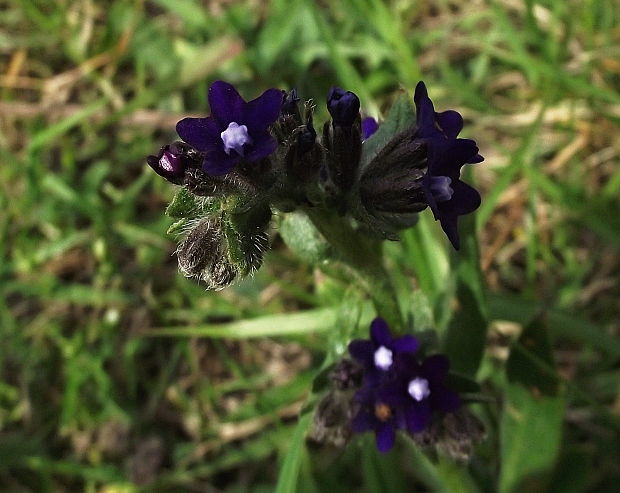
(399, 391)
(421, 168)
(265, 155)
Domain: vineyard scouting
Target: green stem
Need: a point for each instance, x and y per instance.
(364, 256)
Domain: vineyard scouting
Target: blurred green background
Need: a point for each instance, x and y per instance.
(94, 399)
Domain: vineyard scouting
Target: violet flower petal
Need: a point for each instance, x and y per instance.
(386, 436)
(369, 127)
(363, 421)
(445, 400)
(465, 199)
(435, 368)
(226, 103)
(425, 111)
(264, 144)
(404, 344)
(201, 133)
(362, 350)
(263, 111)
(380, 332)
(418, 416)
(451, 122)
(217, 162)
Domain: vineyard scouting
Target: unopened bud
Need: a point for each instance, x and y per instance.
(343, 106)
(202, 255)
(173, 160)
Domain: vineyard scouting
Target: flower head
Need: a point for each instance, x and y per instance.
(377, 355)
(420, 167)
(399, 392)
(236, 130)
(343, 106)
(447, 196)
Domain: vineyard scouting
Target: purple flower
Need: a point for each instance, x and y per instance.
(369, 127)
(447, 196)
(235, 131)
(343, 106)
(422, 390)
(379, 411)
(377, 355)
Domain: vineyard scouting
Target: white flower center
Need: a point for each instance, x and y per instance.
(440, 188)
(235, 137)
(418, 389)
(383, 358)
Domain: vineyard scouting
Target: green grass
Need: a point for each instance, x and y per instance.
(93, 370)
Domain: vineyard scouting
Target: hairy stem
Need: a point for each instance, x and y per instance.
(365, 257)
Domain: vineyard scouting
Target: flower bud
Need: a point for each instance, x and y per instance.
(391, 187)
(331, 424)
(304, 154)
(202, 255)
(173, 160)
(344, 145)
(290, 102)
(343, 106)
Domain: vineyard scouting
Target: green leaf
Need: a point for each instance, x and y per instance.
(400, 118)
(178, 227)
(302, 237)
(531, 361)
(287, 479)
(318, 320)
(573, 473)
(184, 205)
(532, 416)
(562, 324)
(466, 336)
(462, 384)
(530, 435)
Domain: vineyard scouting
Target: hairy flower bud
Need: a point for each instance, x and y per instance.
(344, 146)
(290, 102)
(202, 255)
(224, 247)
(304, 154)
(391, 188)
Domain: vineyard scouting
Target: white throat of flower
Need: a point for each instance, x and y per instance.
(235, 137)
(383, 358)
(418, 389)
(440, 188)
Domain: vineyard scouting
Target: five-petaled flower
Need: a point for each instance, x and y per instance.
(236, 130)
(377, 354)
(447, 196)
(379, 411)
(422, 390)
(399, 391)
